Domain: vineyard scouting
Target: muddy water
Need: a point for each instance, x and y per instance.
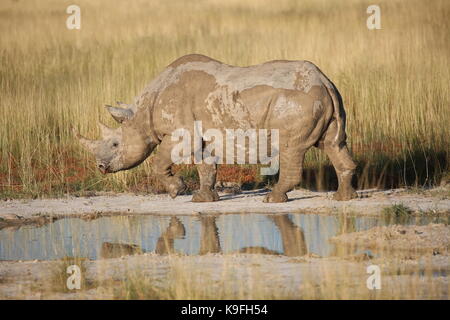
(286, 234)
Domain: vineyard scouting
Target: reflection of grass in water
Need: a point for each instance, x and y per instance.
(396, 214)
(401, 214)
(397, 210)
(346, 224)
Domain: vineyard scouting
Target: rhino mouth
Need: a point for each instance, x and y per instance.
(104, 169)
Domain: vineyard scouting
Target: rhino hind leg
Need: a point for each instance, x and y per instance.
(291, 167)
(209, 241)
(343, 164)
(292, 236)
(345, 168)
(206, 193)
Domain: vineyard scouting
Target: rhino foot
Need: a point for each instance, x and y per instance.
(205, 196)
(175, 187)
(345, 195)
(276, 197)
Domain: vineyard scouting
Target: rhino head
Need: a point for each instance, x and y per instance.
(122, 148)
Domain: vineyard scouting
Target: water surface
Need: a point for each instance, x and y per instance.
(285, 234)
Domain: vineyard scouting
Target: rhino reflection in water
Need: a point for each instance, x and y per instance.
(292, 238)
(165, 243)
(294, 98)
(115, 250)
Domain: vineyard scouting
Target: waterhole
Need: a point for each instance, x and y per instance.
(114, 236)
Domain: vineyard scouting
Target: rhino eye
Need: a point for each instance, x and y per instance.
(115, 145)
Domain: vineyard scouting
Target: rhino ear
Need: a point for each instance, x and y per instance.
(120, 114)
(88, 144)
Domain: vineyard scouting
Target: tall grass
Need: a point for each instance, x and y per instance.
(394, 81)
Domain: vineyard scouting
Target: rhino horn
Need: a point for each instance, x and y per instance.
(120, 114)
(88, 144)
(105, 130)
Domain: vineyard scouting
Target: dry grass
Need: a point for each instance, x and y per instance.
(230, 278)
(394, 81)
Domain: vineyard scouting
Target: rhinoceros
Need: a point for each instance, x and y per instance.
(294, 97)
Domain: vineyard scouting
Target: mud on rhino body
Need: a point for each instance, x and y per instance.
(294, 97)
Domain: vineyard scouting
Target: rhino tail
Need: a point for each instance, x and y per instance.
(338, 115)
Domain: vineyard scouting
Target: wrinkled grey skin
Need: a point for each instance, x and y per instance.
(294, 97)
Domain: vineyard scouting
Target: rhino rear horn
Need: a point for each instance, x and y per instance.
(106, 131)
(120, 114)
(123, 105)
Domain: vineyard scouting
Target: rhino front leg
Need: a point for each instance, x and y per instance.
(207, 174)
(162, 165)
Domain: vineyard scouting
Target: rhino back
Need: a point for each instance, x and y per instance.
(196, 87)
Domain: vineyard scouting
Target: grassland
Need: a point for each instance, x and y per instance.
(394, 81)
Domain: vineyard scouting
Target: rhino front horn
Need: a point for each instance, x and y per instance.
(120, 114)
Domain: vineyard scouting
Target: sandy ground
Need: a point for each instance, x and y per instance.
(370, 202)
